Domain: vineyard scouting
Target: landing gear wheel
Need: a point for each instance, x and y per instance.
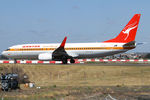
(15, 61)
(64, 60)
(72, 61)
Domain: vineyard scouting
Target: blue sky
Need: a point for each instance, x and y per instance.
(49, 21)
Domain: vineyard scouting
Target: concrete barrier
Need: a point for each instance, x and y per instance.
(76, 61)
(33, 62)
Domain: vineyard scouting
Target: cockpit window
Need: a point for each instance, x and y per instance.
(7, 49)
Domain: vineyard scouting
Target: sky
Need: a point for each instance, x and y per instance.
(49, 21)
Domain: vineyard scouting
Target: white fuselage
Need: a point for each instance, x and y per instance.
(76, 50)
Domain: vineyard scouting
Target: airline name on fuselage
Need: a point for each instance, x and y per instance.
(36, 46)
(31, 46)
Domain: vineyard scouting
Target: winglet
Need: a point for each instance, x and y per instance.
(63, 43)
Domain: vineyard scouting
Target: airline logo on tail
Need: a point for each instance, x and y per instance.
(129, 32)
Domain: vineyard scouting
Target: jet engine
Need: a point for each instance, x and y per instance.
(45, 56)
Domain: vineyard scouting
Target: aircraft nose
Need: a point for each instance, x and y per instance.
(4, 53)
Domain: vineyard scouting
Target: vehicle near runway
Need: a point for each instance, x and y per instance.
(62, 52)
(9, 81)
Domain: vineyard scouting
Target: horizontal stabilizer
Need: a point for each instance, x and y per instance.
(140, 43)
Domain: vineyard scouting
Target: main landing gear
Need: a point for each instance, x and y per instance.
(72, 60)
(65, 60)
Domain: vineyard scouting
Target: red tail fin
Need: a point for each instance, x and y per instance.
(129, 32)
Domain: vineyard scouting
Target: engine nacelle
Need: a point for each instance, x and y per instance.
(45, 56)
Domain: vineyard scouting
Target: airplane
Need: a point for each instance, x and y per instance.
(62, 52)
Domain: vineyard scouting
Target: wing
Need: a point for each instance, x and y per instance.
(60, 53)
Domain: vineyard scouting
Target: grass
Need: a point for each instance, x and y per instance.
(85, 75)
(57, 81)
